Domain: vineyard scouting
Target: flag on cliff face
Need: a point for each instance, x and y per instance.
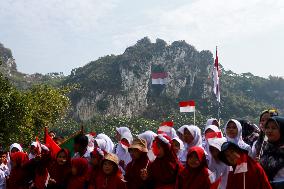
(159, 78)
(216, 76)
(187, 106)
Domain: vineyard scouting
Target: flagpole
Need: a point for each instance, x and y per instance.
(194, 117)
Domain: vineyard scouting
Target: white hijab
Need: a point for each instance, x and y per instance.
(16, 145)
(197, 140)
(195, 132)
(149, 136)
(122, 151)
(181, 148)
(210, 121)
(125, 133)
(215, 129)
(217, 167)
(238, 139)
(104, 142)
(91, 141)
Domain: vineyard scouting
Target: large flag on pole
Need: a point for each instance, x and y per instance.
(216, 76)
(187, 106)
(159, 78)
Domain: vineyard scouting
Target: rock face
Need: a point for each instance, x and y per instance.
(8, 65)
(121, 85)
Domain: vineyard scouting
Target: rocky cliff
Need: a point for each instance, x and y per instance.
(121, 85)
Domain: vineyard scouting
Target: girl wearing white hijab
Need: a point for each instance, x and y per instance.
(212, 121)
(211, 131)
(15, 147)
(149, 136)
(178, 147)
(219, 169)
(233, 130)
(191, 136)
(104, 143)
(125, 139)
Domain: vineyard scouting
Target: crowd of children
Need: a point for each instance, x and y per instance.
(242, 156)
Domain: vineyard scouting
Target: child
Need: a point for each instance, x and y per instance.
(60, 170)
(178, 147)
(17, 179)
(149, 137)
(162, 173)
(196, 174)
(124, 138)
(79, 169)
(97, 157)
(138, 151)
(110, 177)
(3, 169)
(245, 172)
(233, 130)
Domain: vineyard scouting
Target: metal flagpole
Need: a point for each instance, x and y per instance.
(194, 117)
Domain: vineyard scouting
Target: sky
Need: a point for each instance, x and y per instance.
(59, 35)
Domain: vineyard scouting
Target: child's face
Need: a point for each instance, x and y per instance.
(61, 158)
(94, 160)
(232, 156)
(135, 153)
(188, 138)
(3, 158)
(13, 150)
(232, 130)
(272, 132)
(193, 160)
(108, 167)
(74, 170)
(161, 151)
(214, 152)
(176, 146)
(33, 150)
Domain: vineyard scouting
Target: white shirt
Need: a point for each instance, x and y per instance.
(87, 155)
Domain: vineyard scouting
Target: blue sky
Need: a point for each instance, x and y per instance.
(59, 35)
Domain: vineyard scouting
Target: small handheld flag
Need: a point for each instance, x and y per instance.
(165, 127)
(187, 106)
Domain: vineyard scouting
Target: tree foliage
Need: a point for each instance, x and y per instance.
(23, 114)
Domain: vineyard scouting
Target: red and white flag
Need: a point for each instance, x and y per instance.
(187, 106)
(38, 146)
(216, 76)
(159, 78)
(165, 127)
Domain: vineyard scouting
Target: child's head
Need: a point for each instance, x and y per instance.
(18, 159)
(138, 147)
(230, 153)
(62, 157)
(80, 143)
(177, 145)
(187, 136)
(162, 145)
(110, 164)
(3, 157)
(79, 166)
(96, 156)
(196, 157)
(232, 129)
(15, 148)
